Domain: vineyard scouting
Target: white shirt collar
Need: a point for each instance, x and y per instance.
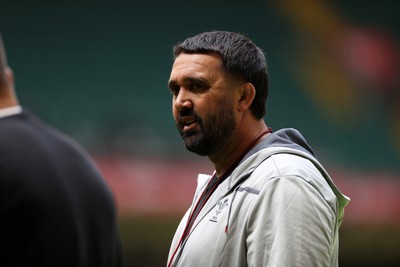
(5, 112)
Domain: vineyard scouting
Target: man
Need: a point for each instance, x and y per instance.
(269, 201)
(55, 207)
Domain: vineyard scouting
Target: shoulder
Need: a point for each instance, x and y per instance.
(285, 164)
(294, 171)
(278, 162)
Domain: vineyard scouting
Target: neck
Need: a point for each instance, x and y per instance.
(237, 147)
(7, 104)
(7, 99)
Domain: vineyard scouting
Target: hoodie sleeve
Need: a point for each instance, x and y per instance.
(291, 224)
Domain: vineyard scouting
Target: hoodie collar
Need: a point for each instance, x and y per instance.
(6, 112)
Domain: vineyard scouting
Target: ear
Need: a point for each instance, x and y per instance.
(6, 79)
(9, 75)
(248, 92)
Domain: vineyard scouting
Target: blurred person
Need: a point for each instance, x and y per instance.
(55, 207)
(269, 201)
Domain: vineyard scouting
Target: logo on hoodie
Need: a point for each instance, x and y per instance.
(218, 209)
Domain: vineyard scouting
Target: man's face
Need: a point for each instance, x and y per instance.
(202, 102)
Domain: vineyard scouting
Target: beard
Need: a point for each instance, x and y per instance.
(216, 127)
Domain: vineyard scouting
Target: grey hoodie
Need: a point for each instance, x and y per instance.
(279, 207)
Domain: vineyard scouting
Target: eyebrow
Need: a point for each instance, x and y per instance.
(188, 80)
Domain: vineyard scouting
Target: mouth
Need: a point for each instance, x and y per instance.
(188, 124)
(188, 121)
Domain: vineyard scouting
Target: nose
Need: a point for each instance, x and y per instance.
(183, 100)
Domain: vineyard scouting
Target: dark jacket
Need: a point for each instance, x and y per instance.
(55, 207)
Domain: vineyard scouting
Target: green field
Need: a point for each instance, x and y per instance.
(146, 243)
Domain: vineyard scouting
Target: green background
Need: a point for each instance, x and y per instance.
(98, 71)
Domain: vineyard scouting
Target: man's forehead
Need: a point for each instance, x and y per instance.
(196, 65)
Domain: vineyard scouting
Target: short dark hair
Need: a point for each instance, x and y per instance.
(240, 56)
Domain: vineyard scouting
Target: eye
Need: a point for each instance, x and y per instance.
(174, 89)
(198, 87)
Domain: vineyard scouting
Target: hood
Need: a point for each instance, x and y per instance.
(284, 141)
(287, 138)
